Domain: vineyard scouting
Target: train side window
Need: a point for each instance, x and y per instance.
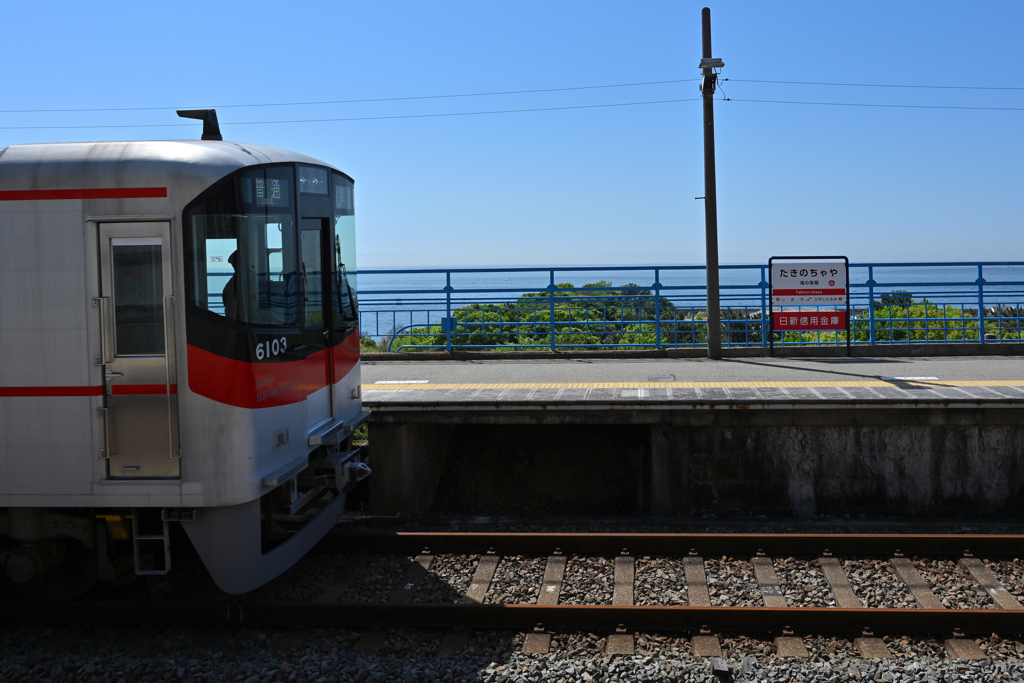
(243, 249)
(343, 243)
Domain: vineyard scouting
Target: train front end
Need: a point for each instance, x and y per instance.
(204, 362)
(271, 322)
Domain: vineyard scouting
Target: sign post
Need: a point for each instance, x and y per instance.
(808, 281)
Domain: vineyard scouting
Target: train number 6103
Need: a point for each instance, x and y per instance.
(269, 349)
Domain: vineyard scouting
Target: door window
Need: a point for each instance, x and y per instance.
(138, 298)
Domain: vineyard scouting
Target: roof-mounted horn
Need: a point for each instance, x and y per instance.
(211, 129)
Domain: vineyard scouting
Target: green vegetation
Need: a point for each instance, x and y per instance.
(361, 436)
(921, 321)
(608, 317)
(600, 315)
(917, 322)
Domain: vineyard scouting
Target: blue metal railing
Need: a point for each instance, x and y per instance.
(665, 306)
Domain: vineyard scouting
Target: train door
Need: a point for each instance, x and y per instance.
(136, 311)
(316, 316)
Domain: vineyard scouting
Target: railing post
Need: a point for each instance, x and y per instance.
(981, 305)
(871, 304)
(764, 309)
(657, 310)
(448, 311)
(551, 296)
(394, 327)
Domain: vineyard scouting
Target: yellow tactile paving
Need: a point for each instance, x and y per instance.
(707, 385)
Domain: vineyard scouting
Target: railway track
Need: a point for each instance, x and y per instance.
(703, 615)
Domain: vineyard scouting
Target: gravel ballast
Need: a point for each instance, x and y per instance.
(1011, 574)
(139, 654)
(803, 584)
(659, 581)
(307, 579)
(952, 585)
(377, 578)
(731, 583)
(517, 580)
(447, 579)
(587, 581)
(877, 585)
(250, 655)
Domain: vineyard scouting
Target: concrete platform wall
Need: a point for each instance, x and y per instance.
(908, 461)
(940, 464)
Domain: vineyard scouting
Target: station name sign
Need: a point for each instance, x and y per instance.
(809, 293)
(808, 283)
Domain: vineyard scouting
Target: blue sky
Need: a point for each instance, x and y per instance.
(587, 186)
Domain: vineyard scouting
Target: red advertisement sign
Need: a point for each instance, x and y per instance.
(803, 320)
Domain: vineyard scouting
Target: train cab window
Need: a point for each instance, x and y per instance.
(343, 243)
(313, 180)
(244, 261)
(312, 283)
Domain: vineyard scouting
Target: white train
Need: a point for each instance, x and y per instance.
(178, 343)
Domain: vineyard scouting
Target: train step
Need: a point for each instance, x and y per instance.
(152, 540)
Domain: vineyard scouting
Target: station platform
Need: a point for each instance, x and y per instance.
(797, 370)
(913, 437)
(961, 380)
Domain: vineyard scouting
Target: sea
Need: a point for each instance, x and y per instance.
(393, 298)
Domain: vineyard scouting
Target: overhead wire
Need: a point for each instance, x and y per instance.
(505, 92)
(889, 106)
(362, 118)
(379, 99)
(516, 111)
(878, 85)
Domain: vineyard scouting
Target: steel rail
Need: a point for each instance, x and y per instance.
(583, 617)
(522, 617)
(711, 544)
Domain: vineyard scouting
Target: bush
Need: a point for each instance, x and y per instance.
(923, 321)
(598, 315)
(607, 316)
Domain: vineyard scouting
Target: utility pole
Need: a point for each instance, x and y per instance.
(709, 80)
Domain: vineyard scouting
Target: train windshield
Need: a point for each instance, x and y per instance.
(244, 265)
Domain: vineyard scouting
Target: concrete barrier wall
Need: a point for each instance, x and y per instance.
(928, 464)
(727, 462)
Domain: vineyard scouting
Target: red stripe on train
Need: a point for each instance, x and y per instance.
(266, 385)
(83, 193)
(142, 389)
(50, 391)
(346, 355)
